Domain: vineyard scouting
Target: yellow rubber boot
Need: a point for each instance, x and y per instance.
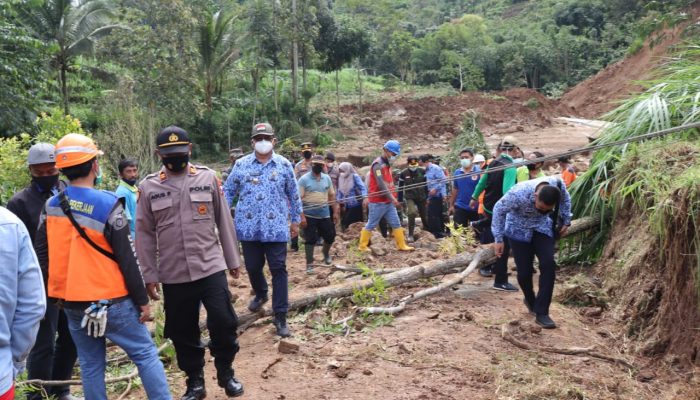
(365, 236)
(401, 240)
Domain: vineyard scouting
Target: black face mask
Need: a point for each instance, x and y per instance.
(544, 212)
(130, 182)
(176, 163)
(45, 183)
(532, 167)
(307, 154)
(317, 169)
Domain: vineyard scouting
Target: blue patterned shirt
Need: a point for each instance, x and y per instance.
(351, 199)
(516, 217)
(435, 177)
(268, 198)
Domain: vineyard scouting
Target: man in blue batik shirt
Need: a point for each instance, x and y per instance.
(526, 217)
(268, 200)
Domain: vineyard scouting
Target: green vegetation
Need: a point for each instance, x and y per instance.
(366, 297)
(127, 68)
(657, 177)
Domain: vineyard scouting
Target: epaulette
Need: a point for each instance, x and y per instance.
(194, 169)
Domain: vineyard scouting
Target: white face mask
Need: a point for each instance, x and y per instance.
(465, 162)
(392, 158)
(263, 147)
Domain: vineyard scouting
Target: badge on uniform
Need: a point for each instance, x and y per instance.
(202, 209)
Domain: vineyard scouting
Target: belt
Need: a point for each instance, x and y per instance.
(85, 304)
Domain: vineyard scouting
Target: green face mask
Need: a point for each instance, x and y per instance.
(98, 178)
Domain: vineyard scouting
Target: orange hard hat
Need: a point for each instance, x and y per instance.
(75, 149)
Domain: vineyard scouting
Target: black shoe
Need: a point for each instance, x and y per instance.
(257, 303)
(506, 287)
(486, 271)
(530, 307)
(280, 323)
(232, 386)
(544, 321)
(195, 387)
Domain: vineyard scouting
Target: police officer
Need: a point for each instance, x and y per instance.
(304, 165)
(179, 211)
(53, 356)
(412, 191)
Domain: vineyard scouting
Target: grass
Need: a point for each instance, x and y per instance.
(621, 173)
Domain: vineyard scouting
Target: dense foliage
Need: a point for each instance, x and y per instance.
(126, 68)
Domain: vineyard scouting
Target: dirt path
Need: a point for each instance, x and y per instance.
(445, 347)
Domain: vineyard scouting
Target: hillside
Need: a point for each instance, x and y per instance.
(602, 92)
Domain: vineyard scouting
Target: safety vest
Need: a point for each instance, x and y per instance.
(78, 272)
(385, 174)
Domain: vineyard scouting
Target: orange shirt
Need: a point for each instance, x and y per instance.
(568, 176)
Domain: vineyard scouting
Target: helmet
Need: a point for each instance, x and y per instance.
(393, 146)
(74, 149)
(479, 158)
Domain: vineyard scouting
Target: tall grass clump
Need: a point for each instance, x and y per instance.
(671, 99)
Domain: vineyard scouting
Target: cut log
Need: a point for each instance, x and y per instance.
(404, 275)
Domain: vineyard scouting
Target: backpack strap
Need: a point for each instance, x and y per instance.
(65, 207)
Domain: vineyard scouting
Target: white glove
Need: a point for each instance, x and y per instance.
(95, 319)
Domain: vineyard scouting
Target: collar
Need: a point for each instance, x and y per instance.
(271, 160)
(126, 185)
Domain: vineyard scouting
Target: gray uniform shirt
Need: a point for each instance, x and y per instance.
(176, 225)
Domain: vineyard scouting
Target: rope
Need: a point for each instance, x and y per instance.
(568, 153)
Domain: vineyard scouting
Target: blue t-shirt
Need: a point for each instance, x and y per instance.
(465, 188)
(315, 195)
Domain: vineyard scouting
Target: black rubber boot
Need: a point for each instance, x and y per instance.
(411, 228)
(309, 249)
(327, 254)
(281, 325)
(231, 385)
(295, 244)
(195, 387)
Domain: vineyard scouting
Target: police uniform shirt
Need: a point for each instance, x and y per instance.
(176, 225)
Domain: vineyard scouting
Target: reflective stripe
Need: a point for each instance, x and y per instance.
(82, 220)
(76, 149)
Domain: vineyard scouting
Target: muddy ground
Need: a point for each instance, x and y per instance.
(447, 346)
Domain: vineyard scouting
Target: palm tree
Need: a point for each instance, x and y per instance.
(216, 49)
(71, 27)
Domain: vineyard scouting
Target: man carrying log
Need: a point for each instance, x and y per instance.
(526, 217)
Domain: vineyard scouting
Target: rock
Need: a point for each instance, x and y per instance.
(536, 329)
(378, 251)
(593, 312)
(315, 317)
(467, 316)
(433, 315)
(366, 372)
(403, 349)
(342, 372)
(333, 364)
(286, 346)
(646, 375)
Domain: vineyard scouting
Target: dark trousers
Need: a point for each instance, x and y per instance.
(500, 267)
(319, 227)
(463, 217)
(436, 225)
(182, 302)
(524, 254)
(255, 254)
(52, 357)
(350, 216)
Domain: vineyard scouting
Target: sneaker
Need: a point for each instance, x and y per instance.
(506, 287)
(530, 307)
(544, 321)
(309, 269)
(280, 323)
(486, 271)
(257, 303)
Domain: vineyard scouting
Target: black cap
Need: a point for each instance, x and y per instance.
(426, 158)
(330, 156)
(307, 146)
(412, 158)
(173, 140)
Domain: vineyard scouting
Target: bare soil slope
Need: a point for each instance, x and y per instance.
(602, 92)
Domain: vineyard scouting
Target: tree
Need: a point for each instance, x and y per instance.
(458, 66)
(21, 61)
(344, 43)
(400, 51)
(71, 28)
(216, 45)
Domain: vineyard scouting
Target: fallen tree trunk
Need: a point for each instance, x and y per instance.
(486, 256)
